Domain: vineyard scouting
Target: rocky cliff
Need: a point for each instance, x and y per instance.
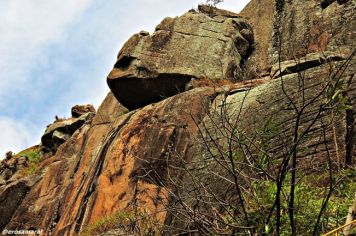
(196, 45)
(210, 93)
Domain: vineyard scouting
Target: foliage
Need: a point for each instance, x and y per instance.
(124, 221)
(310, 192)
(273, 177)
(35, 156)
(336, 94)
(109, 222)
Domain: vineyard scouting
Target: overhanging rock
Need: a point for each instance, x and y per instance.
(210, 44)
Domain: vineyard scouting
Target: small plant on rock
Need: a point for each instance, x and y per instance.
(213, 2)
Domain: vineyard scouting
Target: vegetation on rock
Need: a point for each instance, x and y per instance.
(197, 151)
(34, 156)
(119, 219)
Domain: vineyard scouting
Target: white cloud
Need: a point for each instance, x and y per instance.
(57, 53)
(26, 26)
(14, 135)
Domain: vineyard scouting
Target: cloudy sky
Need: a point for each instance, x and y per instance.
(57, 53)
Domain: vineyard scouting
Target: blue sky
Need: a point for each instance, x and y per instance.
(56, 54)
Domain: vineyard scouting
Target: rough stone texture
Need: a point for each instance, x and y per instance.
(239, 107)
(11, 196)
(113, 165)
(109, 110)
(150, 68)
(79, 110)
(9, 168)
(298, 28)
(274, 106)
(321, 29)
(120, 160)
(311, 27)
(309, 61)
(260, 14)
(59, 132)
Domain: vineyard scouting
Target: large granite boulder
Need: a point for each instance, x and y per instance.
(79, 110)
(107, 165)
(209, 44)
(121, 161)
(61, 130)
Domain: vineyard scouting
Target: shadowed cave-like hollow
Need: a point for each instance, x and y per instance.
(134, 92)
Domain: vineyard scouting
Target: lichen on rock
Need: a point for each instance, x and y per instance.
(207, 44)
(178, 97)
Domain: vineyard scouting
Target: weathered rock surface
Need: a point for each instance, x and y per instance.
(313, 26)
(59, 132)
(209, 44)
(79, 110)
(291, 31)
(301, 64)
(106, 167)
(260, 14)
(9, 167)
(273, 102)
(271, 130)
(121, 160)
(11, 196)
(109, 110)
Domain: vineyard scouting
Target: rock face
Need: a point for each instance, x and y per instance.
(272, 101)
(102, 168)
(206, 44)
(314, 26)
(12, 195)
(60, 131)
(122, 160)
(260, 14)
(329, 28)
(9, 167)
(79, 110)
(311, 60)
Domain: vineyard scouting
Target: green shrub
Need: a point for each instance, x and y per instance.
(310, 193)
(35, 156)
(119, 219)
(138, 223)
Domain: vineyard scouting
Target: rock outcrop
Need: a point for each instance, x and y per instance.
(271, 131)
(103, 167)
(9, 167)
(313, 26)
(79, 110)
(62, 129)
(198, 45)
(316, 28)
(130, 156)
(12, 195)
